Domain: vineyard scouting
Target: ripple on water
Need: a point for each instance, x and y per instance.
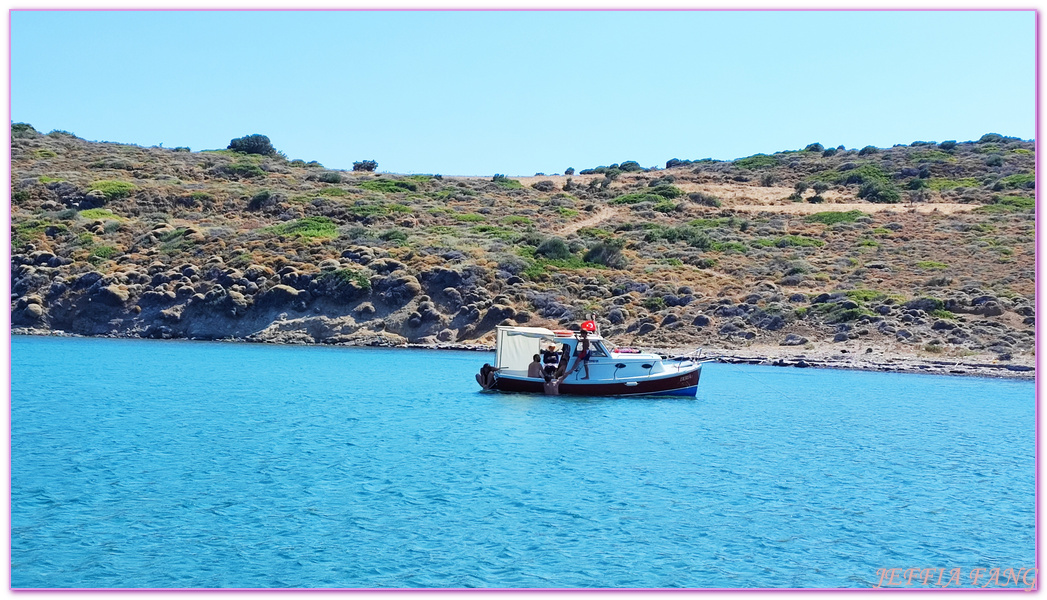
(228, 465)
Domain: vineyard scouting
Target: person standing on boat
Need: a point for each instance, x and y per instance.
(535, 368)
(583, 355)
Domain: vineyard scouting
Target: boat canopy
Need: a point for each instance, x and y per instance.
(516, 346)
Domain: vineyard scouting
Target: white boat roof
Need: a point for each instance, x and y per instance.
(542, 332)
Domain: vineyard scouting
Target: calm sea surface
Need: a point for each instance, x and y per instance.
(193, 464)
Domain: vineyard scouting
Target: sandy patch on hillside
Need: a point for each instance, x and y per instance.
(601, 215)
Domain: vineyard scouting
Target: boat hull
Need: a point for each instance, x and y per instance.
(683, 383)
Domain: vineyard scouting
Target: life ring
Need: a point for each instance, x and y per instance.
(589, 326)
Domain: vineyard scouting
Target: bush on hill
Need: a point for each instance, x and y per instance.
(879, 192)
(253, 144)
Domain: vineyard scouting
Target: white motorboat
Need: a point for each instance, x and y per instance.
(612, 371)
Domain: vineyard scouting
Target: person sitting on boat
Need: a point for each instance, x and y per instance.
(583, 355)
(565, 361)
(535, 368)
(550, 358)
(486, 376)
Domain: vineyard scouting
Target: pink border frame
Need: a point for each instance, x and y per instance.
(7, 324)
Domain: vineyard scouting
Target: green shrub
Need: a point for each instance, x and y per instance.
(636, 198)
(368, 210)
(243, 170)
(834, 217)
(554, 248)
(263, 199)
(44, 153)
(947, 145)
(931, 264)
(19, 130)
(666, 191)
(307, 227)
(469, 217)
(665, 206)
(365, 165)
(607, 253)
(690, 235)
(28, 231)
(97, 213)
(787, 241)
(862, 296)
(948, 184)
(332, 191)
(496, 232)
(505, 182)
(389, 186)
(704, 199)
(517, 220)
(102, 253)
(397, 236)
(757, 161)
(330, 177)
(1008, 204)
(880, 193)
(1020, 180)
(815, 147)
(868, 150)
(253, 144)
(112, 190)
(342, 278)
(654, 303)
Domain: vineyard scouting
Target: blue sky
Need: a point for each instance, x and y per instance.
(478, 93)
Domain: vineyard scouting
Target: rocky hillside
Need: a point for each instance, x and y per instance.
(923, 248)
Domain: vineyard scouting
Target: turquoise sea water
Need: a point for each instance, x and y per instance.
(194, 464)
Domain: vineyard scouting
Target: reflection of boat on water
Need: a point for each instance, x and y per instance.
(612, 371)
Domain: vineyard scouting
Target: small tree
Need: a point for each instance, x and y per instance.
(569, 171)
(868, 150)
(607, 253)
(554, 248)
(815, 147)
(365, 165)
(800, 187)
(879, 192)
(947, 145)
(253, 144)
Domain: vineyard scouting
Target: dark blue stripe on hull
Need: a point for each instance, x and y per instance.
(685, 384)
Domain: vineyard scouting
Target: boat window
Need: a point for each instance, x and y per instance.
(597, 349)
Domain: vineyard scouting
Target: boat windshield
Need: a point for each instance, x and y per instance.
(597, 349)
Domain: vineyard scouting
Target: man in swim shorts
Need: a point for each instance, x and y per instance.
(583, 354)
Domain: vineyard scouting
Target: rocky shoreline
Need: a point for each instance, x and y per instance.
(820, 358)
